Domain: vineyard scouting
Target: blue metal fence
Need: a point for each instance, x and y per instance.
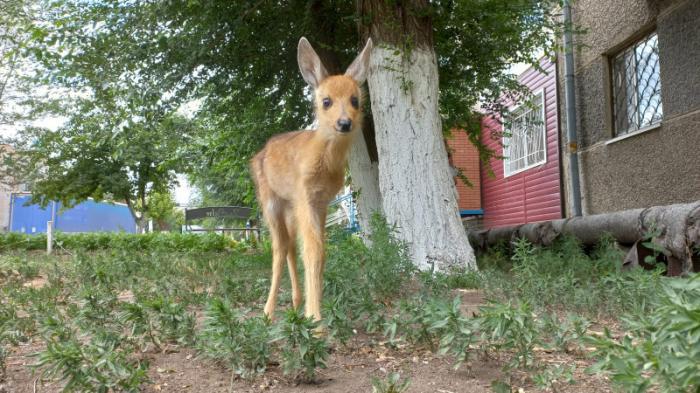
(87, 216)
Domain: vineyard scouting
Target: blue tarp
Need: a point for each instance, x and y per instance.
(87, 216)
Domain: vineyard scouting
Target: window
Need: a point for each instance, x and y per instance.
(636, 86)
(525, 140)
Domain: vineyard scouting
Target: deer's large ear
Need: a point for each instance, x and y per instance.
(358, 69)
(310, 65)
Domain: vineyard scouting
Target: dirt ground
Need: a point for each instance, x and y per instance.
(350, 369)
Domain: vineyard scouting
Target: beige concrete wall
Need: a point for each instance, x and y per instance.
(656, 167)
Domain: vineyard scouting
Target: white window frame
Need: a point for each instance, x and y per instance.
(506, 139)
(631, 93)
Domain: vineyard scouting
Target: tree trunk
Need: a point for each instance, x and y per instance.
(365, 182)
(418, 192)
(141, 223)
(675, 228)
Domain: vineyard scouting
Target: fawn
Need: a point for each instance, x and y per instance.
(298, 173)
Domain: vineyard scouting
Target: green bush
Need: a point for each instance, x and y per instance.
(662, 349)
(119, 240)
(303, 350)
(239, 342)
(101, 364)
(392, 384)
(565, 277)
(507, 326)
(157, 319)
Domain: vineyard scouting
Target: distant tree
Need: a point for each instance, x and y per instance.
(162, 210)
(16, 17)
(102, 155)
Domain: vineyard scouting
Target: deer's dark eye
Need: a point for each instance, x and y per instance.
(327, 103)
(354, 102)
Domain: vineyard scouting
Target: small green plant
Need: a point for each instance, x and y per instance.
(414, 322)
(174, 323)
(552, 378)
(456, 333)
(440, 283)
(567, 334)
(303, 351)
(650, 242)
(100, 364)
(243, 344)
(661, 349)
(157, 320)
(505, 326)
(155, 241)
(392, 384)
(338, 319)
(501, 387)
(389, 267)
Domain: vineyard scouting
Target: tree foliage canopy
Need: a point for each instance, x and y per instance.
(133, 64)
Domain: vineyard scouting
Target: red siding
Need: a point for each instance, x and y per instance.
(465, 157)
(534, 194)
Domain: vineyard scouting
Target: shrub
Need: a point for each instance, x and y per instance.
(208, 242)
(239, 342)
(507, 326)
(661, 349)
(100, 364)
(392, 384)
(157, 319)
(303, 350)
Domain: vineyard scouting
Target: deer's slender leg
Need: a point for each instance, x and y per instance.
(311, 220)
(292, 257)
(280, 247)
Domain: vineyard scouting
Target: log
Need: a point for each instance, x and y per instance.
(675, 228)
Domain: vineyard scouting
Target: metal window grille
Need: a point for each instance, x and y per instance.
(637, 86)
(525, 140)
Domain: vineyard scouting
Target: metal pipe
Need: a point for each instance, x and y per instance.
(571, 135)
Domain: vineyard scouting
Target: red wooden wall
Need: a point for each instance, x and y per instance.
(534, 194)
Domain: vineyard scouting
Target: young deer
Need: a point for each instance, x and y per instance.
(298, 173)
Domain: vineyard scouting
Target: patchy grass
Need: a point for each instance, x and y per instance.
(123, 318)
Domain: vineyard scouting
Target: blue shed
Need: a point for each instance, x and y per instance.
(87, 216)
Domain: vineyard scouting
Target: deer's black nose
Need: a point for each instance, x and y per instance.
(344, 125)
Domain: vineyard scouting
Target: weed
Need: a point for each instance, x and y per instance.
(551, 378)
(100, 364)
(338, 319)
(125, 241)
(241, 343)
(303, 351)
(567, 334)
(439, 283)
(662, 348)
(510, 327)
(414, 322)
(392, 384)
(456, 333)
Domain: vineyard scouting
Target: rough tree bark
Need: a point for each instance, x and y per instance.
(365, 180)
(417, 191)
(675, 228)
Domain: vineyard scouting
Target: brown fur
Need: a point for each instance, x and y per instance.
(298, 173)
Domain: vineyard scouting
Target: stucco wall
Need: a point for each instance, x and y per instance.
(656, 167)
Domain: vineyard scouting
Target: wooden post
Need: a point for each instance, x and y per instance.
(49, 237)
